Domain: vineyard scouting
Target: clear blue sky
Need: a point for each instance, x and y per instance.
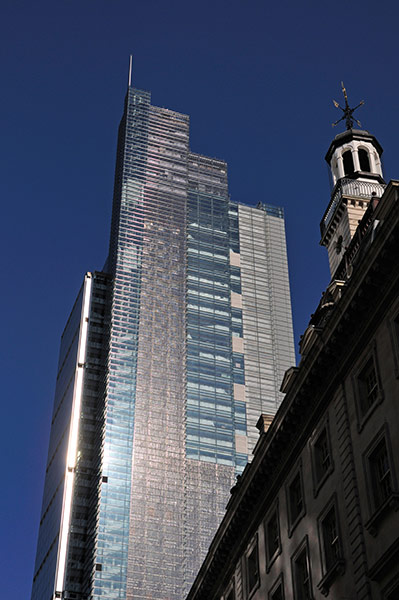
(257, 79)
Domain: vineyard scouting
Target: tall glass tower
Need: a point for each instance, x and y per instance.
(166, 362)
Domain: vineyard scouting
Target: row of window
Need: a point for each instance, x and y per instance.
(331, 554)
(380, 478)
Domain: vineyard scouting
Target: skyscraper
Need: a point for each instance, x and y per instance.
(167, 360)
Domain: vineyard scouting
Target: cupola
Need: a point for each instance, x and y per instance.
(354, 157)
(355, 154)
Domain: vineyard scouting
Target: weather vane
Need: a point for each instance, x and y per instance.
(348, 112)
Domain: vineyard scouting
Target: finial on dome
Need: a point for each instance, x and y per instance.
(348, 112)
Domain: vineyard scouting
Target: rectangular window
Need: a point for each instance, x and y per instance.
(295, 500)
(301, 573)
(302, 588)
(278, 594)
(272, 530)
(333, 563)
(382, 490)
(368, 387)
(393, 322)
(296, 503)
(322, 463)
(380, 472)
(277, 591)
(252, 564)
(322, 455)
(330, 539)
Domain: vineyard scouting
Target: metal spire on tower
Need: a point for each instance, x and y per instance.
(130, 70)
(348, 112)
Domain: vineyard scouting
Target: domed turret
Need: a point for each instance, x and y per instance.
(355, 154)
(354, 157)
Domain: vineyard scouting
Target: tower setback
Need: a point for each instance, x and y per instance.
(167, 360)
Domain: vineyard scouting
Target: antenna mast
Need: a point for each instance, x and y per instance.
(130, 70)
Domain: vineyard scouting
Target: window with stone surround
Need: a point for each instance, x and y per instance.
(393, 323)
(277, 590)
(295, 499)
(383, 493)
(381, 476)
(367, 387)
(272, 535)
(252, 567)
(321, 453)
(333, 563)
(301, 576)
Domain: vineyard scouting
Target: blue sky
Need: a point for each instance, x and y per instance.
(257, 79)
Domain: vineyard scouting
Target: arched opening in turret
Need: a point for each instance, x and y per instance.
(364, 160)
(349, 168)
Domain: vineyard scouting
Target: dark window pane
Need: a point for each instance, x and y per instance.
(252, 568)
(380, 473)
(273, 537)
(348, 163)
(364, 160)
(301, 577)
(295, 498)
(322, 455)
(368, 387)
(278, 593)
(330, 539)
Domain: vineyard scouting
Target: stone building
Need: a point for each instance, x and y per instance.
(316, 512)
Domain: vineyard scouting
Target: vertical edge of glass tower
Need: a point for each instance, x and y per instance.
(67, 531)
(166, 364)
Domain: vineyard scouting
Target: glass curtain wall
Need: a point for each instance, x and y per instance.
(158, 465)
(266, 303)
(211, 372)
(50, 523)
(67, 533)
(139, 550)
(125, 258)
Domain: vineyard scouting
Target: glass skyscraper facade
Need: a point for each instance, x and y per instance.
(167, 360)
